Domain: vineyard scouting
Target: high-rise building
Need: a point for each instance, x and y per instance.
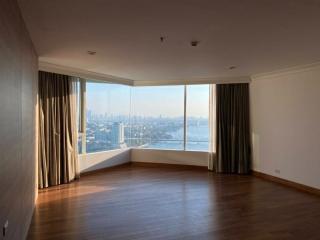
(117, 133)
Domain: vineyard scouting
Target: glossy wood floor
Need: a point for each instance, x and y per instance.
(145, 202)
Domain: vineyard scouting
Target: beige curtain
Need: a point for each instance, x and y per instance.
(212, 128)
(58, 153)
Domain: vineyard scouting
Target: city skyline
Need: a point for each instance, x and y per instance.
(103, 134)
(92, 115)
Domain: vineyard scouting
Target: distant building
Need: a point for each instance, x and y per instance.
(117, 133)
(101, 134)
(89, 115)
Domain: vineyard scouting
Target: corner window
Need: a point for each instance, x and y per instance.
(117, 116)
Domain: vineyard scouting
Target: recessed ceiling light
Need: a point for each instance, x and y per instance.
(91, 52)
(232, 67)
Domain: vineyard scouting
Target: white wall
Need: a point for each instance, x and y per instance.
(170, 157)
(94, 161)
(285, 115)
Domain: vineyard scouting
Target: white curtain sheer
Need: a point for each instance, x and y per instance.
(212, 127)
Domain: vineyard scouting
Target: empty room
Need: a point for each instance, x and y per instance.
(159, 120)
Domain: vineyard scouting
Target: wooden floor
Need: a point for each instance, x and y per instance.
(145, 202)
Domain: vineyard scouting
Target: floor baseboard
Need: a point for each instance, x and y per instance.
(145, 164)
(104, 169)
(298, 186)
(168, 165)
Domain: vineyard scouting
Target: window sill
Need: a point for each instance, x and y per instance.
(106, 151)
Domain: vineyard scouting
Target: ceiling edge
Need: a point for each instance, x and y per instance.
(213, 80)
(76, 72)
(285, 71)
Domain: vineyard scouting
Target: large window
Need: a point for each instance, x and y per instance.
(108, 116)
(159, 117)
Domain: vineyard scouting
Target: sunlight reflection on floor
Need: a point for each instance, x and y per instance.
(64, 193)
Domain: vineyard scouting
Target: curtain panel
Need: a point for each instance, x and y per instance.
(58, 154)
(232, 129)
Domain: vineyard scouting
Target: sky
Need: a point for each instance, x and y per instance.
(154, 101)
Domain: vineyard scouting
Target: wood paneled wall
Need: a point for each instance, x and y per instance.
(18, 99)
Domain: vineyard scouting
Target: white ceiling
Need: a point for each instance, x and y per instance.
(255, 35)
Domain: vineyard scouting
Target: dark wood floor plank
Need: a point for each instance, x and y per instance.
(143, 202)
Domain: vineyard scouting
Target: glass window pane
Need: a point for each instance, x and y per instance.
(78, 107)
(108, 116)
(80, 143)
(157, 117)
(197, 117)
